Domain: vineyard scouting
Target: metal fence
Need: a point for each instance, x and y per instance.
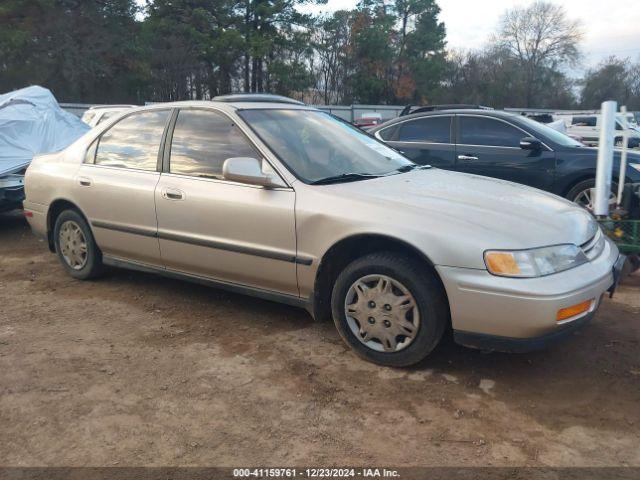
(347, 112)
(77, 108)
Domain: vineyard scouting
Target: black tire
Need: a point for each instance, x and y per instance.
(423, 285)
(93, 266)
(584, 185)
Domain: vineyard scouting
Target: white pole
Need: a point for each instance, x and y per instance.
(623, 154)
(605, 159)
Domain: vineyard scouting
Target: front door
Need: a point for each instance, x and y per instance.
(115, 186)
(226, 231)
(491, 147)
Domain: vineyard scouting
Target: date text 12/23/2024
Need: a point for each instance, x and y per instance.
(315, 473)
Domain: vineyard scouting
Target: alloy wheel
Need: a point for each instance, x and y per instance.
(585, 199)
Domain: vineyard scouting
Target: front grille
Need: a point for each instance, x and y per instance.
(594, 246)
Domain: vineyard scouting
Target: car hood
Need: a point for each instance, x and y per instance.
(492, 213)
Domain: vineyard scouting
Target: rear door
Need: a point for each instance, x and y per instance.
(491, 147)
(115, 186)
(210, 227)
(425, 140)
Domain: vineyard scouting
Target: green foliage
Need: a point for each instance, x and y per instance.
(614, 79)
(383, 51)
(494, 78)
(192, 47)
(82, 50)
(540, 40)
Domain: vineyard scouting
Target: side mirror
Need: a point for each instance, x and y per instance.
(248, 170)
(530, 143)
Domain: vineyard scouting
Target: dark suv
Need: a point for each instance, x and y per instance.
(503, 145)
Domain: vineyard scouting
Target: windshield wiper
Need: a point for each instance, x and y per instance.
(412, 166)
(344, 177)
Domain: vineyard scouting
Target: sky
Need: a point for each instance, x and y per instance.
(611, 27)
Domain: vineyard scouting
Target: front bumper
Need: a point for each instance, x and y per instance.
(517, 311)
(519, 345)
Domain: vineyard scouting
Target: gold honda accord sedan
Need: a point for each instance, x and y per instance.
(289, 203)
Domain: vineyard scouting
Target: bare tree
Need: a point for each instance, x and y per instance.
(540, 37)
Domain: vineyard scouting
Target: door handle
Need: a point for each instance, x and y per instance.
(84, 181)
(172, 194)
(467, 157)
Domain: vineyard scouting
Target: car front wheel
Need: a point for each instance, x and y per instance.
(390, 310)
(581, 194)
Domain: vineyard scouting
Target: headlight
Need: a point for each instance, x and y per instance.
(635, 166)
(536, 262)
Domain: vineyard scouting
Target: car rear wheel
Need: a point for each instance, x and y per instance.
(390, 310)
(76, 247)
(581, 194)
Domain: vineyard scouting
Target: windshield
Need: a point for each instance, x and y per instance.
(552, 134)
(315, 146)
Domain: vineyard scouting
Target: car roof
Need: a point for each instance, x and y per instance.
(462, 111)
(458, 111)
(227, 106)
(111, 107)
(255, 97)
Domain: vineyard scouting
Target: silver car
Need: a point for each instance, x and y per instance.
(288, 203)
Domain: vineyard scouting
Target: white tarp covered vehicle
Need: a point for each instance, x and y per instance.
(31, 123)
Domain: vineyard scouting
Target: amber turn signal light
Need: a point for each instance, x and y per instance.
(502, 263)
(572, 311)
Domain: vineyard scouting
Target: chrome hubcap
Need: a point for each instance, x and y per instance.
(382, 313)
(73, 245)
(585, 200)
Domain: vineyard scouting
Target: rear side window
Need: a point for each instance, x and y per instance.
(487, 131)
(203, 140)
(427, 129)
(584, 121)
(134, 141)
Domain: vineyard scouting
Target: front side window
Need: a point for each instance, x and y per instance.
(428, 129)
(316, 146)
(487, 131)
(134, 141)
(543, 131)
(203, 140)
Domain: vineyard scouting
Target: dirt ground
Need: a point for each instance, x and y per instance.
(135, 369)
